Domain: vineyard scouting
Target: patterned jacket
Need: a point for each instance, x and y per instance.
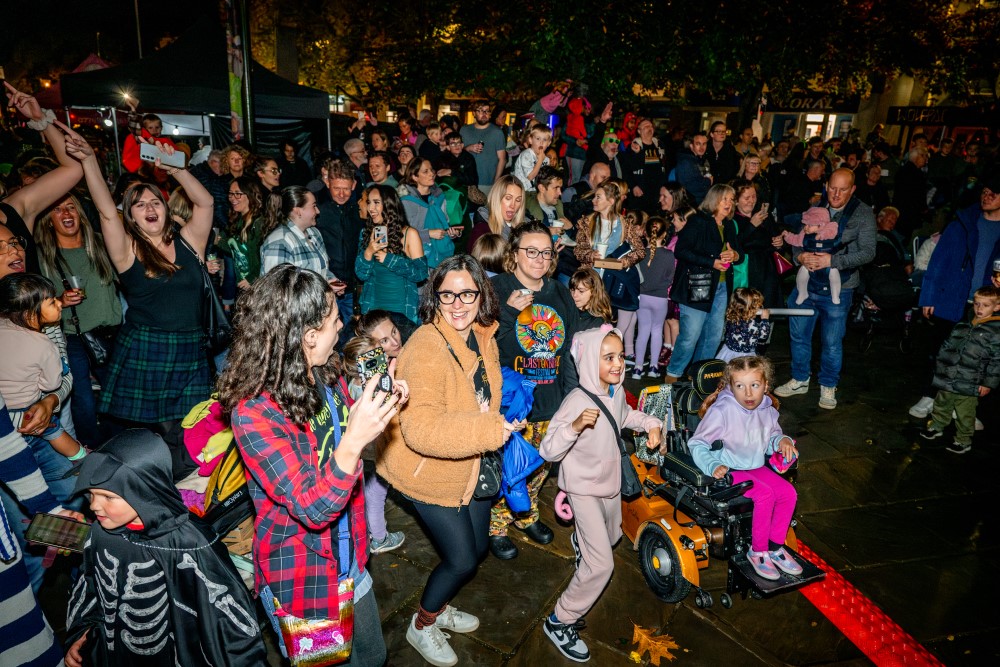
(298, 503)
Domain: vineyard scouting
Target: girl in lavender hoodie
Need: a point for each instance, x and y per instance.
(745, 418)
(585, 441)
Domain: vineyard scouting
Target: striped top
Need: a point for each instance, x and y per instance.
(20, 473)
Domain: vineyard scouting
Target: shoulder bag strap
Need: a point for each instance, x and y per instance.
(607, 413)
(75, 319)
(343, 523)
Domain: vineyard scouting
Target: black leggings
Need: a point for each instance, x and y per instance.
(461, 538)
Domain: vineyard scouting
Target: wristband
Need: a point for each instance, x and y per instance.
(47, 117)
(79, 455)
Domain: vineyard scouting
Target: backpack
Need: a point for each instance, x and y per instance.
(227, 498)
(623, 285)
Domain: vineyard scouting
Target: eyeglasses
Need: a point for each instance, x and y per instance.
(272, 170)
(534, 253)
(468, 296)
(17, 243)
(456, 143)
(237, 195)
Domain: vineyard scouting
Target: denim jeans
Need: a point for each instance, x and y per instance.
(700, 334)
(832, 319)
(84, 404)
(53, 466)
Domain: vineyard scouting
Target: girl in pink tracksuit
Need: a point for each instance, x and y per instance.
(581, 437)
(742, 415)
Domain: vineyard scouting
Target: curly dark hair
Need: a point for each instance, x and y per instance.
(393, 217)
(489, 305)
(266, 354)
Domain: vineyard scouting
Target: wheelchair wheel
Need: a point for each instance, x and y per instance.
(661, 566)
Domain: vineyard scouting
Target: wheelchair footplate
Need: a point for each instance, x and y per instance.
(744, 580)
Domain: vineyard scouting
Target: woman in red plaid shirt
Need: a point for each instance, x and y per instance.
(302, 447)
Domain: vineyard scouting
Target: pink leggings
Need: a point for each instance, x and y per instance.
(773, 504)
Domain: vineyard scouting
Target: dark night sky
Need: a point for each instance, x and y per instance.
(42, 38)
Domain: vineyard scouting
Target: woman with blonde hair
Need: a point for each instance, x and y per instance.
(69, 246)
(607, 234)
(504, 210)
(707, 248)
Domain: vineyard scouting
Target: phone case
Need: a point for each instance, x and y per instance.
(150, 153)
(374, 363)
(57, 531)
(381, 233)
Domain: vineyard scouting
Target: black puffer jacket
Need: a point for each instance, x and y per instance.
(970, 358)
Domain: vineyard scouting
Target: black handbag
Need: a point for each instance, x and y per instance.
(488, 484)
(98, 342)
(699, 285)
(215, 321)
(630, 478)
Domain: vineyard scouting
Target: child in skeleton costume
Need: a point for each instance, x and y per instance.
(158, 588)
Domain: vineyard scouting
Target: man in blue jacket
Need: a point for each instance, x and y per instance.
(962, 263)
(692, 169)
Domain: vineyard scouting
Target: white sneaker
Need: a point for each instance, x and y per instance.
(791, 388)
(431, 644)
(827, 397)
(922, 408)
(455, 620)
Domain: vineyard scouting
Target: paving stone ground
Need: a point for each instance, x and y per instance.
(914, 527)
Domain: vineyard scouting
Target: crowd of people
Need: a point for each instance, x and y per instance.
(454, 251)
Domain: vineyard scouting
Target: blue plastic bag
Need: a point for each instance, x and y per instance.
(520, 459)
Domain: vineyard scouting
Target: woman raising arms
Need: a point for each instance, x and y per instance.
(159, 369)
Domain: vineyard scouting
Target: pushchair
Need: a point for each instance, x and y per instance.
(884, 304)
(684, 518)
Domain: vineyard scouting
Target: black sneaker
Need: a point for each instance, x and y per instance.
(567, 640)
(930, 434)
(958, 448)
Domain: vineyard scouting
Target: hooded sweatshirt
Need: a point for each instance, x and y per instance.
(165, 594)
(591, 460)
(748, 436)
(535, 341)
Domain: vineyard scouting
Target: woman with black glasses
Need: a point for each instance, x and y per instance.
(433, 456)
(538, 319)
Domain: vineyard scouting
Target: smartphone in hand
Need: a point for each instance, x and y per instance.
(150, 153)
(380, 234)
(374, 363)
(57, 531)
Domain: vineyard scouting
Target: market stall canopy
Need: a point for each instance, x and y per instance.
(191, 75)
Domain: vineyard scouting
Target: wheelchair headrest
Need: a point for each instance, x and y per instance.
(705, 375)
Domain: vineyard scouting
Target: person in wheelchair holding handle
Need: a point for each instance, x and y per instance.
(743, 415)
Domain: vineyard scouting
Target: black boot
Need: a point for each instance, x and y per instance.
(502, 547)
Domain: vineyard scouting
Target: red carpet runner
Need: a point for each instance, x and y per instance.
(868, 627)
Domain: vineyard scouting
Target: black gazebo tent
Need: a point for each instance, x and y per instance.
(191, 76)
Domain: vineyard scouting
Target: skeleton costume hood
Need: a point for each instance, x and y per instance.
(164, 594)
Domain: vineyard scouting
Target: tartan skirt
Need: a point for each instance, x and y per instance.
(155, 375)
